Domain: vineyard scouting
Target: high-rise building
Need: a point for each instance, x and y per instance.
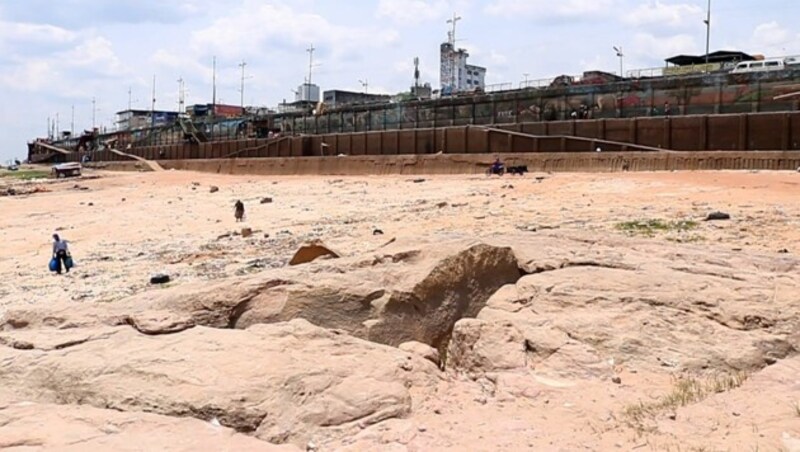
(456, 75)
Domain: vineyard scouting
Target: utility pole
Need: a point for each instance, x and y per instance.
(58, 125)
(94, 113)
(242, 65)
(708, 32)
(181, 96)
(153, 105)
(310, 51)
(525, 83)
(365, 85)
(214, 88)
(130, 98)
(72, 122)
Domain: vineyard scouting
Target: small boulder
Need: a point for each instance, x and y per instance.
(247, 232)
(718, 216)
(159, 278)
(266, 201)
(214, 189)
(311, 252)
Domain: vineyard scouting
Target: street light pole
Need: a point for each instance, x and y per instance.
(242, 65)
(94, 113)
(365, 84)
(525, 84)
(621, 60)
(708, 32)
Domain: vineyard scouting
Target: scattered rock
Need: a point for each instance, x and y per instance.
(718, 216)
(377, 232)
(419, 181)
(616, 380)
(422, 350)
(214, 189)
(159, 278)
(247, 232)
(90, 204)
(266, 201)
(442, 205)
(783, 251)
(311, 252)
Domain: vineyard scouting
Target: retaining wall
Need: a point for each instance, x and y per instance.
(477, 164)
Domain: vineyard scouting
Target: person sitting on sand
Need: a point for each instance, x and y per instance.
(60, 253)
(238, 211)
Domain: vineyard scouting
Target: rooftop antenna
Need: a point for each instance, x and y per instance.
(310, 51)
(453, 54)
(365, 85)
(452, 33)
(416, 72)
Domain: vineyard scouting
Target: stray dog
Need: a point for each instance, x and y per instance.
(238, 211)
(518, 170)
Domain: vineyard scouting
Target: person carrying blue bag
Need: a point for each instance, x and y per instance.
(61, 258)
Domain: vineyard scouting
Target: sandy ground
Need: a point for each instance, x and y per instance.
(122, 227)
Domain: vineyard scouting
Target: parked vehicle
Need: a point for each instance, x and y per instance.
(67, 170)
(774, 64)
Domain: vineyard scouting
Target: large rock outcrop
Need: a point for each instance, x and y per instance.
(589, 306)
(74, 428)
(404, 293)
(289, 382)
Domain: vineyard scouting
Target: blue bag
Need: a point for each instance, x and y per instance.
(53, 264)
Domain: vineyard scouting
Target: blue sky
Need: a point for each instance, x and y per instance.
(56, 54)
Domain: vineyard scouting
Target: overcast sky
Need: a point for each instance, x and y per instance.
(55, 54)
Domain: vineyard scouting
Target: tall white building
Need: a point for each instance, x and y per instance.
(456, 75)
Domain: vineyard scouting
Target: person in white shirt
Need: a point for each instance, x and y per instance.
(60, 253)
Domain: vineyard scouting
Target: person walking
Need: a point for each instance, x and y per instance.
(61, 254)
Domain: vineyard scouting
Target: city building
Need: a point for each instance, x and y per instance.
(338, 98)
(456, 75)
(307, 92)
(142, 119)
(215, 110)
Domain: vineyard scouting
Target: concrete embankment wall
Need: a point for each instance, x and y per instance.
(477, 164)
(746, 132)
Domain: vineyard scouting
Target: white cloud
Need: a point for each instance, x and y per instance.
(548, 8)
(772, 39)
(656, 12)
(18, 33)
(254, 28)
(653, 50)
(412, 12)
(96, 53)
